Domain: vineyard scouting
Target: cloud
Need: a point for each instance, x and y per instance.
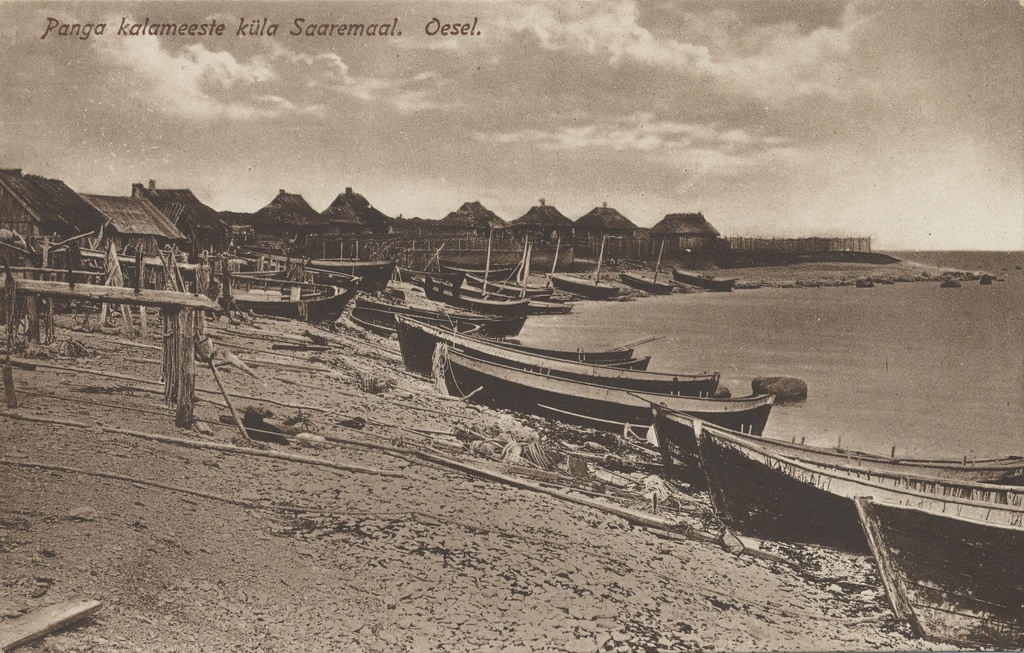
(195, 82)
(681, 145)
(774, 63)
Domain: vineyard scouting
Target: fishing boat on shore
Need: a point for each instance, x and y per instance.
(374, 275)
(584, 287)
(677, 438)
(292, 299)
(586, 404)
(759, 492)
(383, 316)
(439, 291)
(419, 342)
(506, 288)
(955, 579)
(650, 285)
(419, 277)
(703, 281)
(478, 271)
(647, 285)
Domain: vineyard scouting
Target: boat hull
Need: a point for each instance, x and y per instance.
(610, 409)
(583, 288)
(678, 440)
(383, 315)
(761, 493)
(419, 342)
(646, 285)
(326, 309)
(714, 285)
(452, 296)
(957, 581)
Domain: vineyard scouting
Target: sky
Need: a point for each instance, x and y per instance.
(902, 121)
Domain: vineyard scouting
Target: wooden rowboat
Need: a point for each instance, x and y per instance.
(419, 342)
(703, 281)
(647, 285)
(439, 291)
(374, 275)
(507, 289)
(677, 438)
(584, 288)
(298, 301)
(759, 492)
(956, 580)
(383, 315)
(611, 409)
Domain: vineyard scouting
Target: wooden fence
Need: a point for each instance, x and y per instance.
(800, 244)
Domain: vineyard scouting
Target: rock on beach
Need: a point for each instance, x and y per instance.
(785, 388)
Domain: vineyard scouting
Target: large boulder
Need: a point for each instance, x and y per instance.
(785, 388)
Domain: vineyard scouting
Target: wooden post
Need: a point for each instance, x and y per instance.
(184, 361)
(554, 261)
(487, 265)
(600, 257)
(658, 264)
(10, 312)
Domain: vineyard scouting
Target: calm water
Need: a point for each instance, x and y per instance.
(932, 371)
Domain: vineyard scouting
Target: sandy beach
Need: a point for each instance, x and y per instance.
(403, 545)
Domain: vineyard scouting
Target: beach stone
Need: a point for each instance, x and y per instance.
(83, 513)
(785, 388)
(723, 392)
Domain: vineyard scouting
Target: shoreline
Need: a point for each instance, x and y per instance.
(433, 559)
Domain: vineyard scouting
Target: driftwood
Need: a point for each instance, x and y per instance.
(213, 446)
(44, 621)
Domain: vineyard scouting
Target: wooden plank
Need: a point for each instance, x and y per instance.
(115, 295)
(44, 621)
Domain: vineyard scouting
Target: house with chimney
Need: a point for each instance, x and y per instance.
(543, 223)
(200, 224)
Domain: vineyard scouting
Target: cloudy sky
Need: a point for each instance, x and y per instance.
(903, 120)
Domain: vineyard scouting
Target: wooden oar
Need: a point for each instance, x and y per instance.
(642, 341)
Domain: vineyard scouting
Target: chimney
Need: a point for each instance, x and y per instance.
(542, 201)
(348, 190)
(604, 205)
(137, 190)
(152, 184)
(281, 192)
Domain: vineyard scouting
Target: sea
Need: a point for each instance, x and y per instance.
(929, 371)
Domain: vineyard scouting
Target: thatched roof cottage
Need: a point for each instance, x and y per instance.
(472, 218)
(34, 207)
(134, 222)
(352, 213)
(543, 222)
(604, 221)
(686, 231)
(200, 224)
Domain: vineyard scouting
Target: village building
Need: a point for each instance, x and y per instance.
(135, 224)
(472, 219)
(199, 223)
(288, 221)
(351, 213)
(34, 207)
(240, 229)
(604, 221)
(543, 223)
(686, 231)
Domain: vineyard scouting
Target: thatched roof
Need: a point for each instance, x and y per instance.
(57, 208)
(543, 216)
(685, 224)
(287, 210)
(135, 216)
(352, 210)
(185, 210)
(472, 215)
(603, 218)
